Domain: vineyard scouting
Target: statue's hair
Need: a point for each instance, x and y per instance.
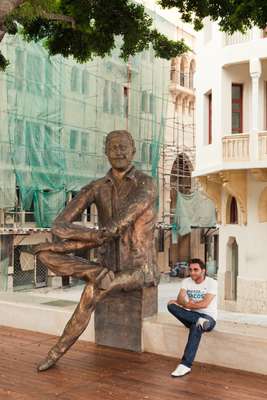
(117, 133)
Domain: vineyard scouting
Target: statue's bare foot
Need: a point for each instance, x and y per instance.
(46, 364)
(106, 280)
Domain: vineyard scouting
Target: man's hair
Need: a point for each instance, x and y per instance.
(199, 262)
(118, 133)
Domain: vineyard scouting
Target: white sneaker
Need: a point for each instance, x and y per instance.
(181, 370)
(204, 323)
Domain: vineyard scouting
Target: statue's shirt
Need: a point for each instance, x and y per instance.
(128, 211)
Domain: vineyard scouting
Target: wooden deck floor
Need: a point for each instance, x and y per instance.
(99, 373)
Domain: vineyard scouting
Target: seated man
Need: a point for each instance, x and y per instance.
(196, 308)
(125, 199)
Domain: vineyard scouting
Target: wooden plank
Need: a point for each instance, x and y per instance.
(89, 371)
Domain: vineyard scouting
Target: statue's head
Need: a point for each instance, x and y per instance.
(120, 149)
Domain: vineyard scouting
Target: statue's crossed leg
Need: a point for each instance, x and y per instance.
(99, 282)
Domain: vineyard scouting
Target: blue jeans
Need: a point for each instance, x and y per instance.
(189, 319)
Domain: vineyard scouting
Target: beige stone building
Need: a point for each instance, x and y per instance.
(231, 159)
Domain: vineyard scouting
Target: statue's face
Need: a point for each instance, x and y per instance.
(120, 152)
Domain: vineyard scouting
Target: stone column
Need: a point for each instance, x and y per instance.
(255, 73)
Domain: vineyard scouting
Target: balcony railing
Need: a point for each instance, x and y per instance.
(262, 140)
(236, 147)
(16, 219)
(237, 38)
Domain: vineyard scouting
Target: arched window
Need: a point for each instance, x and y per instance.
(182, 73)
(173, 71)
(191, 74)
(233, 211)
(231, 273)
(180, 180)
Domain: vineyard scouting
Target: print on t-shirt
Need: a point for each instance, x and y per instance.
(196, 295)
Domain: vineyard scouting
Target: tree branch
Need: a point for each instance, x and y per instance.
(58, 17)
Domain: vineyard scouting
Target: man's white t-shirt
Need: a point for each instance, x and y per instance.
(197, 291)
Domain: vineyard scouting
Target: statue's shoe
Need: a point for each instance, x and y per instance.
(106, 281)
(46, 364)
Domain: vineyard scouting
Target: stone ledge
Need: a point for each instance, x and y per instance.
(233, 345)
(39, 317)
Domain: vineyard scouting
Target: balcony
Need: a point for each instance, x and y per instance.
(262, 140)
(182, 83)
(245, 147)
(236, 147)
(238, 38)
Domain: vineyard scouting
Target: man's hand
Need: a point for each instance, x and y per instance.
(182, 299)
(190, 304)
(181, 303)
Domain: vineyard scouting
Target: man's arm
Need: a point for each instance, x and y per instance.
(141, 199)
(195, 305)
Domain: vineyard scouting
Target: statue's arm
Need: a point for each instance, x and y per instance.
(77, 205)
(63, 226)
(68, 246)
(143, 198)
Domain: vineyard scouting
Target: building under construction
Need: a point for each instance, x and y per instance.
(55, 115)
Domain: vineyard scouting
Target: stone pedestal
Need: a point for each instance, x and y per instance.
(119, 318)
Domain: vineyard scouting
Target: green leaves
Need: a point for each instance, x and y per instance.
(3, 62)
(97, 24)
(232, 15)
(166, 48)
(88, 28)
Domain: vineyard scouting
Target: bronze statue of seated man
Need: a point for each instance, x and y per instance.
(125, 200)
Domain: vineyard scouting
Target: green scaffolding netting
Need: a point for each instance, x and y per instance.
(55, 115)
(193, 210)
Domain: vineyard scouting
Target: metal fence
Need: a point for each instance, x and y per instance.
(29, 272)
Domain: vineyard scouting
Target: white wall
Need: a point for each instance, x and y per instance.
(218, 67)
